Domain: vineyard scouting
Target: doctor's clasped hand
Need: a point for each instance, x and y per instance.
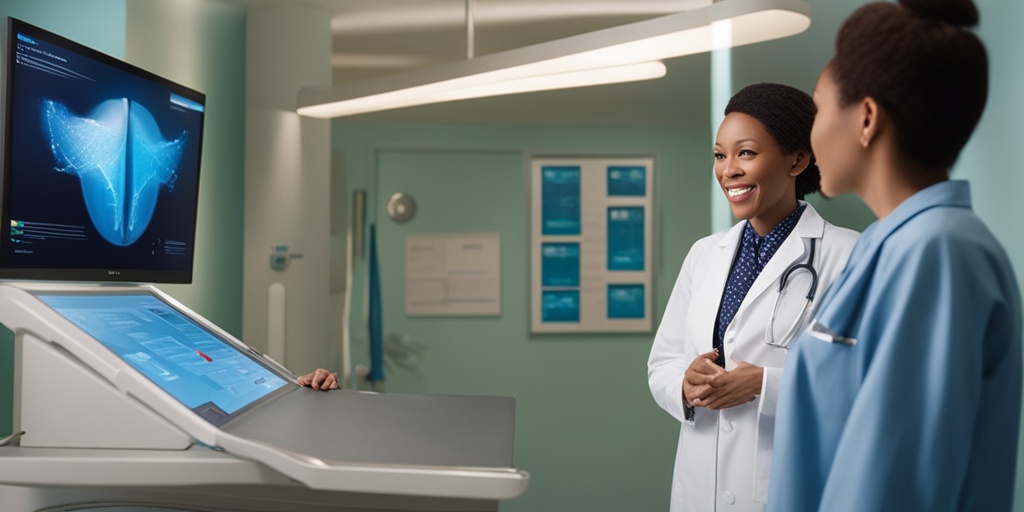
(708, 385)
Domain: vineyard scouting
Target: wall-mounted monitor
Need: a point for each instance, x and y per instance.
(101, 166)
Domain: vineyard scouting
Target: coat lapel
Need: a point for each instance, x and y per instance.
(712, 282)
(810, 225)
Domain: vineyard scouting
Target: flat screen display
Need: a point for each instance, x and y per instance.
(101, 166)
(201, 370)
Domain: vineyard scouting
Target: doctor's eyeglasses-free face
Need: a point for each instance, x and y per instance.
(769, 333)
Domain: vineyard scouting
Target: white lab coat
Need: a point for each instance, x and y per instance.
(723, 458)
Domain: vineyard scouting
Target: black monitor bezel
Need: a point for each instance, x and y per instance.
(118, 275)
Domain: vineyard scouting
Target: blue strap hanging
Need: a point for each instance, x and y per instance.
(375, 327)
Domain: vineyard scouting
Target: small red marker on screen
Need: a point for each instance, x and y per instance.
(204, 356)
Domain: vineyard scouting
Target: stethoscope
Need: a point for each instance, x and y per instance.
(769, 332)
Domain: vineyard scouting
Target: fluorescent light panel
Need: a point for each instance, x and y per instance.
(426, 95)
(584, 78)
(700, 30)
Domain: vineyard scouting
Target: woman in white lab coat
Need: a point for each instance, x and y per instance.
(713, 365)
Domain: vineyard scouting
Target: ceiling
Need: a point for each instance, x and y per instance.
(380, 37)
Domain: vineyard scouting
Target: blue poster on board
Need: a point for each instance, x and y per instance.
(560, 264)
(560, 306)
(560, 200)
(626, 238)
(627, 180)
(625, 301)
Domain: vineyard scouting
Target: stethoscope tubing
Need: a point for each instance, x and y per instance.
(809, 266)
(769, 335)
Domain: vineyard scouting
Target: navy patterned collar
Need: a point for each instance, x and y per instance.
(766, 246)
(752, 255)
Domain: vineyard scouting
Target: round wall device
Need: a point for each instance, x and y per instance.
(401, 207)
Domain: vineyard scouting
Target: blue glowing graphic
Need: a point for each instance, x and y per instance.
(121, 158)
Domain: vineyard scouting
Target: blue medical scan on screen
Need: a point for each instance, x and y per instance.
(118, 154)
(199, 369)
(103, 166)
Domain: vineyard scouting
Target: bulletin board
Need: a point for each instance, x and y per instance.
(591, 244)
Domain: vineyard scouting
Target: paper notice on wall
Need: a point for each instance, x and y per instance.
(453, 274)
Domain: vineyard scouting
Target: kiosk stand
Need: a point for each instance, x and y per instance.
(128, 398)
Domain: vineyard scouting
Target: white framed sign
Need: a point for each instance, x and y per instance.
(456, 274)
(591, 244)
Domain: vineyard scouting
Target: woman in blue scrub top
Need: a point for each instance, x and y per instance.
(710, 365)
(904, 393)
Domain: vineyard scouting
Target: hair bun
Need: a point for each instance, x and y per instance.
(962, 13)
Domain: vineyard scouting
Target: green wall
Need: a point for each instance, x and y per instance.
(987, 160)
(587, 429)
(95, 23)
(201, 44)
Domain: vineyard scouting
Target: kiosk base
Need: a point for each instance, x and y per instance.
(66, 479)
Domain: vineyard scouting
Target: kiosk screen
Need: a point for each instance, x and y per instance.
(198, 368)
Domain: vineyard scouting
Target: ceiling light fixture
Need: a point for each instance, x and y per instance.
(583, 78)
(614, 49)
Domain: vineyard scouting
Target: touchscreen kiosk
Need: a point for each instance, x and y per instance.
(141, 392)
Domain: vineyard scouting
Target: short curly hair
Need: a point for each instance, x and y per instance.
(787, 113)
(920, 63)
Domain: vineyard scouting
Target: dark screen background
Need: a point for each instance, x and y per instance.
(35, 191)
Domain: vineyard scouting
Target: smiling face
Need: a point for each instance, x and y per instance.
(758, 179)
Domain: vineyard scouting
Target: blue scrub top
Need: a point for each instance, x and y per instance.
(922, 411)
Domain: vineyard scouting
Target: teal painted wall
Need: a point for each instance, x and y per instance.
(988, 161)
(96, 23)
(586, 427)
(201, 44)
